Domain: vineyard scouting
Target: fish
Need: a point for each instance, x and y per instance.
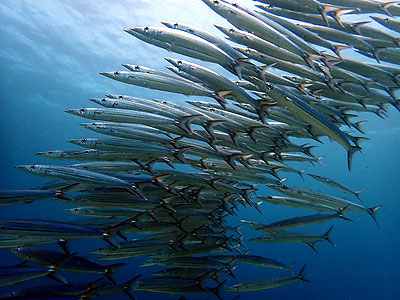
(387, 22)
(297, 203)
(326, 199)
(314, 117)
(301, 221)
(10, 197)
(282, 236)
(268, 283)
(74, 263)
(336, 185)
(15, 274)
(79, 175)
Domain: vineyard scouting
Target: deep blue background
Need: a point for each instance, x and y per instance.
(50, 56)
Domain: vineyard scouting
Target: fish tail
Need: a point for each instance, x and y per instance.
(327, 236)
(375, 54)
(244, 160)
(308, 58)
(358, 139)
(300, 172)
(53, 274)
(185, 122)
(241, 63)
(128, 286)
(179, 154)
(337, 48)
(355, 26)
(301, 276)
(220, 97)
(134, 190)
(262, 114)
(372, 213)
(384, 7)
(395, 104)
(217, 290)
(290, 269)
(381, 113)
(357, 194)
(63, 245)
(231, 268)
(110, 269)
(318, 160)
(230, 160)
(340, 213)
(357, 125)
(350, 154)
(111, 240)
(312, 245)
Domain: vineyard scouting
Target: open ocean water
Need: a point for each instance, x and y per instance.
(50, 56)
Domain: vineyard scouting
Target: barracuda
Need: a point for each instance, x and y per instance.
(313, 117)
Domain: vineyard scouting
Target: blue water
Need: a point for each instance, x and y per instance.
(50, 56)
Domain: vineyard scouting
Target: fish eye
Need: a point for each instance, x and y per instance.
(176, 25)
(235, 286)
(179, 62)
(146, 28)
(32, 167)
(82, 110)
(101, 248)
(120, 97)
(284, 187)
(84, 140)
(116, 73)
(231, 30)
(259, 238)
(137, 67)
(269, 197)
(16, 250)
(86, 151)
(27, 256)
(215, 2)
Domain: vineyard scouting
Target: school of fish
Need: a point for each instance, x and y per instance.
(168, 180)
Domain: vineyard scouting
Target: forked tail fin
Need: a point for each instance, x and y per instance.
(301, 276)
(372, 213)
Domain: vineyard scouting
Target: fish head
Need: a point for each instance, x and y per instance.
(20, 252)
(176, 62)
(147, 31)
(30, 168)
(148, 263)
(117, 75)
(226, 30)
(257, 239)
(81, 211)
(171, 25)
(102, 101)
(79, 111)
(78, 142)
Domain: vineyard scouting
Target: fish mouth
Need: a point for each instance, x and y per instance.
(107, 74)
